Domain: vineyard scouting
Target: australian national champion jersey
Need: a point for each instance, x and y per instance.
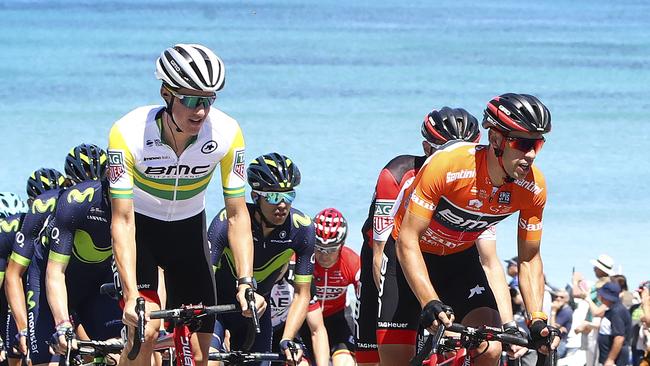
(164, 186)
(271, 253)
(454, 193)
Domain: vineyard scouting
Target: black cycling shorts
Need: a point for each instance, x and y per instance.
(181, 249)
(365, 317)
(339, 334)
(459, 281)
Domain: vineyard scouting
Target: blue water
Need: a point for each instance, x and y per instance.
(341, 87)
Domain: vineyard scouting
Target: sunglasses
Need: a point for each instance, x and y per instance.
(433, 145)
(193, 101)
(324, 250)
(275, 198)
(524, 144)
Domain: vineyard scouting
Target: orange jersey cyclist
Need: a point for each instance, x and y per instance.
(462, 190)
(161, 159)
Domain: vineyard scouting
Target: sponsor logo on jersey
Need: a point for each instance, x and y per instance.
(475, 203)
(459, 220)
(40, 206)
(429, 237)
(530, 226)
(477, 290)
(463, 174)
(209, 147)
(382, 220)
(115, 165)
(180, 169)
(422, 203)
(150, 143)
(81, 197)
(392, 325)
(239, 167)
(149, 158)
(504, 197)
(9, 226)
(530, 186)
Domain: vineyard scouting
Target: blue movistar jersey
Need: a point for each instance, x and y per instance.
(9, 226)
(271, 253)
(31, 232)
(81, 226)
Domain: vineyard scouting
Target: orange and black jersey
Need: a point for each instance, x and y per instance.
(454, 193)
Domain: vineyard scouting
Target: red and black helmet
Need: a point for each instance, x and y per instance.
(448, 124)
(517, 112)
(331, 228)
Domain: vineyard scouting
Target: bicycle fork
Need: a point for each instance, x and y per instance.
(184, 354)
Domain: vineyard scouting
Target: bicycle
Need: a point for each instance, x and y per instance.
(438, 347)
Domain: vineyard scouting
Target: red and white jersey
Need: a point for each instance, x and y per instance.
(332, 283)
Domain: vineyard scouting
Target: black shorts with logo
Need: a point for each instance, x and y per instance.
(339, 333)
(459, 281)
(180, 248)
(365, 319)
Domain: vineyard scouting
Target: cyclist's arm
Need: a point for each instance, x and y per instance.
(494, 272)
(15, 291)
(411, 260)
(377, 258)
(531, 275)
(57, 293)
(319, 338)
(124, 250)
(297, 310)
(240, 238)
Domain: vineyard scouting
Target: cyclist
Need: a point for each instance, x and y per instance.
(279, 231)
(12, 212)
(438, 127)
(336, 267)
(464, 189)
(79, 259)
(161, 159)
(43, 189)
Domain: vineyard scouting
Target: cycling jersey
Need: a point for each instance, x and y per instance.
(272, 254)
(9, 226)
(454, 192)
(295, 235)
(393, 176)
(332, 283)
(378, 226)
(164, 186)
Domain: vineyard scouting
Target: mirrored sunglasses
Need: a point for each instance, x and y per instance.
(524, 144)
(275, 198)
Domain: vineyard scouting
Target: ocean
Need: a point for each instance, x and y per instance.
(342, 87)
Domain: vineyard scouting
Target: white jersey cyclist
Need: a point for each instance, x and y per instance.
(166, 187)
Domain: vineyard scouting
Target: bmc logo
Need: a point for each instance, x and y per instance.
(457, 219)
(177, 169)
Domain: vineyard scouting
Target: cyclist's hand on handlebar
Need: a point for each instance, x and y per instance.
(513, 350)
(130, 317)
(260, 302)
(539, 336)
(434, 313)
(292, 351)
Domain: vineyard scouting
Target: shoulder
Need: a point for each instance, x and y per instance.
(534, 183)
(132, 125)
(349, 257)
(221, 123)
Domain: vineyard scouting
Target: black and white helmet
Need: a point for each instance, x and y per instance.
(191, 66)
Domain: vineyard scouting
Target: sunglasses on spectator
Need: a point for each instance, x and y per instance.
(525, 144)
(328, 250)
(193, 101)
(275, 198)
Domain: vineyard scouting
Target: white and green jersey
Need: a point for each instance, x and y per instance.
(142, 166)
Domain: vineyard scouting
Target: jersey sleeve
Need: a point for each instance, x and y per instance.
(61, 232)
(233, 171)
(530, 218)
(428, 188)
(218, 237)
(23, 248)
(386, 192)
(120, 165)
(304, 248)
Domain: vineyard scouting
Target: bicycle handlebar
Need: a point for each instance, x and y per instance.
(193, 311)
(138, 339)
(487, 333)
(99, 347)
(238, 358)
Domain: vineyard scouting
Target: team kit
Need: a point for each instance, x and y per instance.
(133, 216)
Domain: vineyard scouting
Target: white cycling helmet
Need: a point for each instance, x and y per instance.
(11, 204)
(191, 66)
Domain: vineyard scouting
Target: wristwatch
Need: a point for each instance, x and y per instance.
(247, 281)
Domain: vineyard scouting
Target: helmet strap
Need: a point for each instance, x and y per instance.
(265, 221)
(170, 104)
(498, 152)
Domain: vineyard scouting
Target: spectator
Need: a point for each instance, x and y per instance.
(561, 318)
(627, 298)
(645, 322)
(576, 354)
(613, 345)
(639, 337)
